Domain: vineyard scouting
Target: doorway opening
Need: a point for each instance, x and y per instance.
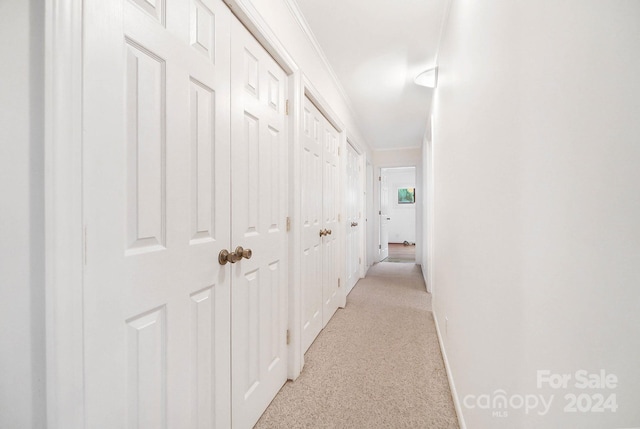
(398, 214)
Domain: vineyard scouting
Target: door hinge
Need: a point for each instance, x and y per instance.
(286, 107)
(359, 261)
(338, 217)
(288, 337)
(379, 212)
(380, 246)
(288, 224)
(338, 150)
(338, 282)
(379, 178)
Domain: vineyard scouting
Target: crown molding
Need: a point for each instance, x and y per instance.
(293, 7)
(246, 12)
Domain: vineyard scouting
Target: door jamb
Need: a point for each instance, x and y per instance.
(63, 214)
(362, 209)
(378, 186)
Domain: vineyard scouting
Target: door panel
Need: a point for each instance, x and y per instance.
(330, 195)
(354, 222)
(156, 197)
(259, 192)
(311, 260)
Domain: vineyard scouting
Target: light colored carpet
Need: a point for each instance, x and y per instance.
(377, 364)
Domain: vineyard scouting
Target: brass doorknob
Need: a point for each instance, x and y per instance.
(323, 232)
(225, 256)
(328, 231)
(243, 253)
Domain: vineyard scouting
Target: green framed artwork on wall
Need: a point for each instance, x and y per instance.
(406, 195)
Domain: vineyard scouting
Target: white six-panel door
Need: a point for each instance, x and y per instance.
(163, 194)
(156, 198)
(330, 205)
(320, 204)
(311, 222)
(259, 192)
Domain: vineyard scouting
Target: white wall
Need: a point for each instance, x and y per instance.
(402, 226)
(537, 203)
(22, 337)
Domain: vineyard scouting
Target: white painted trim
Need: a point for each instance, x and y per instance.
(324, 108)
(363, 215)
(363, 203)
(257, 26)
(63, 214)
(342, 167)
(355, 144)
(452, 384)
(370, 216)
(306, 29)
(429, 192)
(296, 352)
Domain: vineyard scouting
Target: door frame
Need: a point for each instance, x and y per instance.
(370, 215)
(428, 174)
(377, 196)
(64, 254)
(379, 258)
(64, 227)
(363, 212)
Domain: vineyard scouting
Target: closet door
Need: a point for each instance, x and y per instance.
(156, 209)
(311, 223)
(259, 197)
(330, 200)
(320, 198)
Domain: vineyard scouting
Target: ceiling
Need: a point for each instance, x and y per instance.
(376, 48)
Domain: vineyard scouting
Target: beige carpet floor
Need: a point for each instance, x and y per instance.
(377, 364)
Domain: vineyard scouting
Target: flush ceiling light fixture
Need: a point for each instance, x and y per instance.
(428, 78)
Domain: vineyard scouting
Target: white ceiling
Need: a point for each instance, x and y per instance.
(376, 49)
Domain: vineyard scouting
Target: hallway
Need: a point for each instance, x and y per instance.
(376, 364)
(192, 189)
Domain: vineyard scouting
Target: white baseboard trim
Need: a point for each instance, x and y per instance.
(452, 385)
